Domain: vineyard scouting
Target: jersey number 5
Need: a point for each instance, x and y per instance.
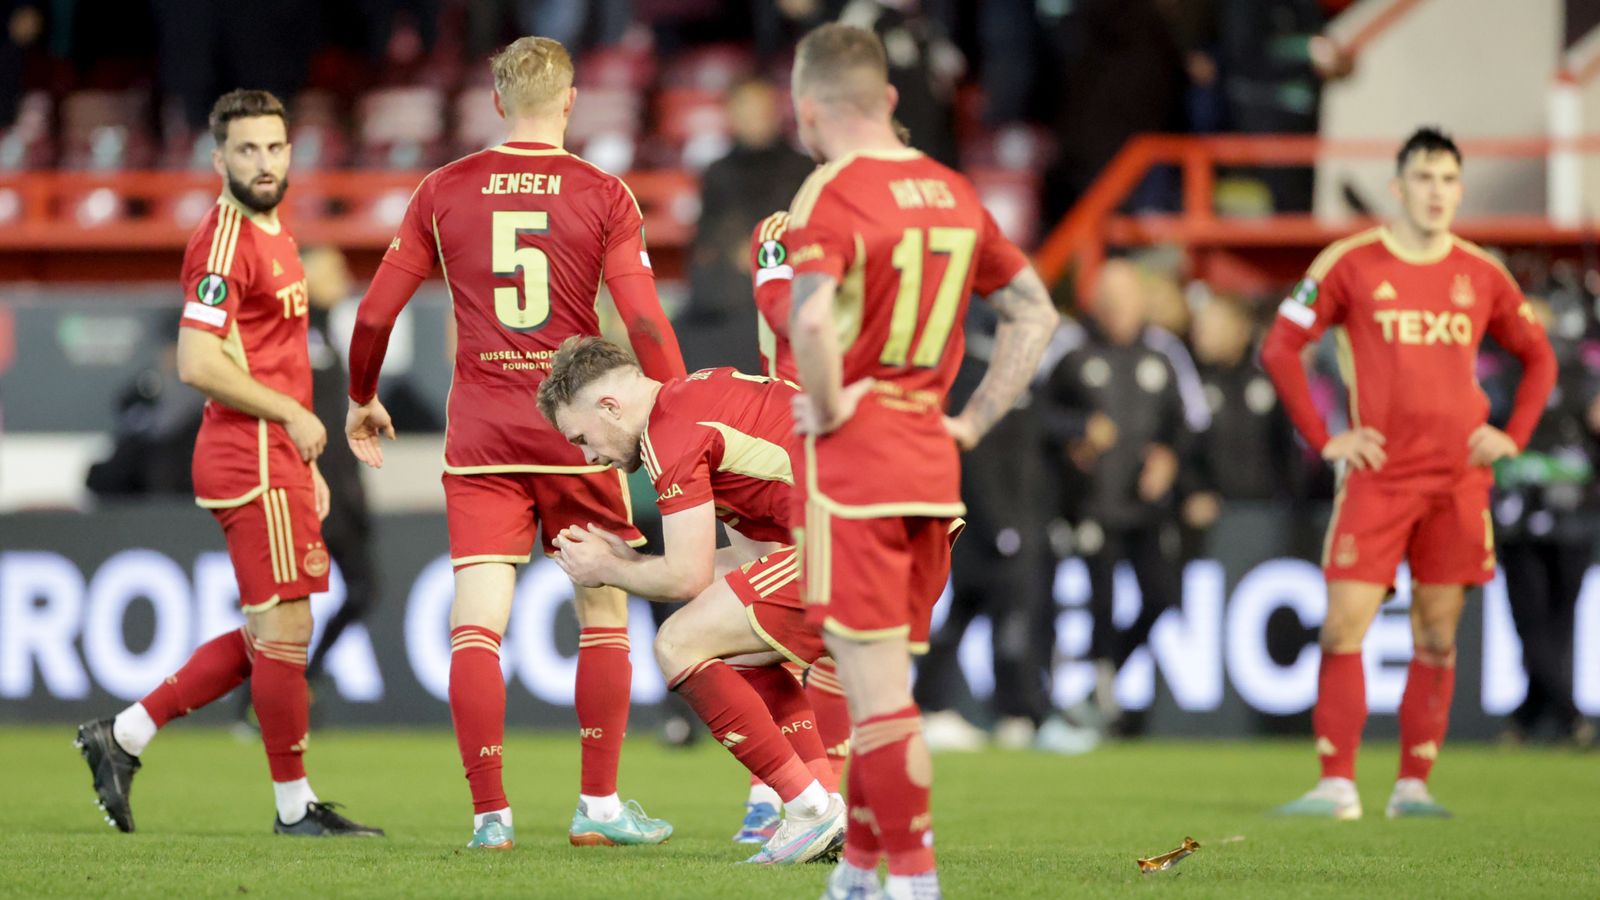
(910, 256)
(527, 308)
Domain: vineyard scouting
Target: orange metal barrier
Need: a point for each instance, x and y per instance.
(1248, 253)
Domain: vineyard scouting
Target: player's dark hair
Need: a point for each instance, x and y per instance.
(243, 104)
(1426, 140)
(578, 363)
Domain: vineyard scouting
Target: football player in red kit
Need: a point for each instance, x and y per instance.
(714, 445)
(524, 233)
(887, 246)
(243, 344)
(1409, 303)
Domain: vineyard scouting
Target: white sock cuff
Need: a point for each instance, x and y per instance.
(133, 728)
(504, 814)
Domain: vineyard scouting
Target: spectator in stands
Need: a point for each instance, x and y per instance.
(1274, 61)
(924, 66)
(758, 176)
(1248, 453)
(24, 28)
(995, 568)
(1544, 514)
(153, 436)
(577, 24)
(1115, 416)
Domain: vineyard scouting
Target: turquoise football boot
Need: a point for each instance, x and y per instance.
(1411, 800)
(805, 840)
(630, 828)
(1332, 798)
(493, 835)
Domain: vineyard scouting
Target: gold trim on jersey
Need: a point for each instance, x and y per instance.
(459, 561)
(252, 609)
(1347, 370)
(517, 468)
(253, 493)
(1488, 257)
(815, 495)
(224, 239)
(850, 300)
(770, 641)
(636, 207)
(805, 200)
(647, 455)
(833, 625)
(524, 151)
(267, 222)
(773, 226)
(1331, 254)
(748, 455)
(767, 343)
(1391, 244)
(280, 536)
(816, 551)
(1333, 520)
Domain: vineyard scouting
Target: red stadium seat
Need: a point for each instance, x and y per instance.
(401, 128)
(605, 111)
(622, 67)
(693, 124)
(477, 124)
(1013, 199)
(27, 143)
(105, 130)
(714, 68)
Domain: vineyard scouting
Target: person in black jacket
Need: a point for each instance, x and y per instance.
(1116, 420)
(1544, 515)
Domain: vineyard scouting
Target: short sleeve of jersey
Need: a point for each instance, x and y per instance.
(820, 236)
(998, 260)
(1318, 300)
(412, 249)
(677, 456)
(770, 270)
(625, 249)
(215, 273)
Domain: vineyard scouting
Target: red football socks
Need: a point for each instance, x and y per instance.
(1340, 713)
(1425, 710)
(478, 712)
(740, 721)
(787, 703)
(833, 714)
(283, 705)
(215, 668)
(603, 693)
(862, 847)
(891, 756)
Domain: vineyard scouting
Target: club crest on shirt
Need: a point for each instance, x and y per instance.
(212, 290)
(1461, 292)
(771, 254)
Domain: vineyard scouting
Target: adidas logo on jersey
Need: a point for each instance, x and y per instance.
(1385, 291)
(277, 268)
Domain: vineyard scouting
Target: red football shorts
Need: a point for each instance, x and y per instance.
(275, 542)
(872, 579)
(769, 588)
(1447, 536)
(492, 517)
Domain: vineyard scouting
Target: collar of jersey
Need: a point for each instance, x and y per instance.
(1404, 255)
(529, 148)
(256, 219)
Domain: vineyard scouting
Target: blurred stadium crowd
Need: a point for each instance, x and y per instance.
(1151, 416)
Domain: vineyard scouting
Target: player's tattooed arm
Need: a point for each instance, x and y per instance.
(1027, 319)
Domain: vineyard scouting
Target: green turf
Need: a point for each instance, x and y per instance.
(1009, 824)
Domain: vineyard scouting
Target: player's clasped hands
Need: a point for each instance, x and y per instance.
(584, 554)
(1361, 448)
(362, 425)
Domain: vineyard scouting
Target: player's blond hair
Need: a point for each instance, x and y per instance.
(578, 363)
(841, 65)
(531, 74)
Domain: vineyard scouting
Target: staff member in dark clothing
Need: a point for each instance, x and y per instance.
(994, 570)
(1544, 511)
(1116, 416)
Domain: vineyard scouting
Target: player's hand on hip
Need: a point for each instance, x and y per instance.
(962, 431)
(1488, 445)
(323, 496)
(307, 432)
(362, 426)
(1361, 448)
(811, 418)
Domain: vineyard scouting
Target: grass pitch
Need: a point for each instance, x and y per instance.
(1009, 824)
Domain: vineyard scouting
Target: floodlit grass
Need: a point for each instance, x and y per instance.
(1008, 824)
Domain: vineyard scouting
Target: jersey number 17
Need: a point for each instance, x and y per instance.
(909, 259)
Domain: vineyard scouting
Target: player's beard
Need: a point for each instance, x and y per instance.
(247, 196)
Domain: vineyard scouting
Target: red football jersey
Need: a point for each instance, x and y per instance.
(771, 275)
(1408, 332)
(722, 436)
(523, 233)
(908, 241)
(242, 281)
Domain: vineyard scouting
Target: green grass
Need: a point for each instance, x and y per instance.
(1009, 824)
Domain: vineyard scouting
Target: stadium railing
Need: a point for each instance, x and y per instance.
(1251, 253)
